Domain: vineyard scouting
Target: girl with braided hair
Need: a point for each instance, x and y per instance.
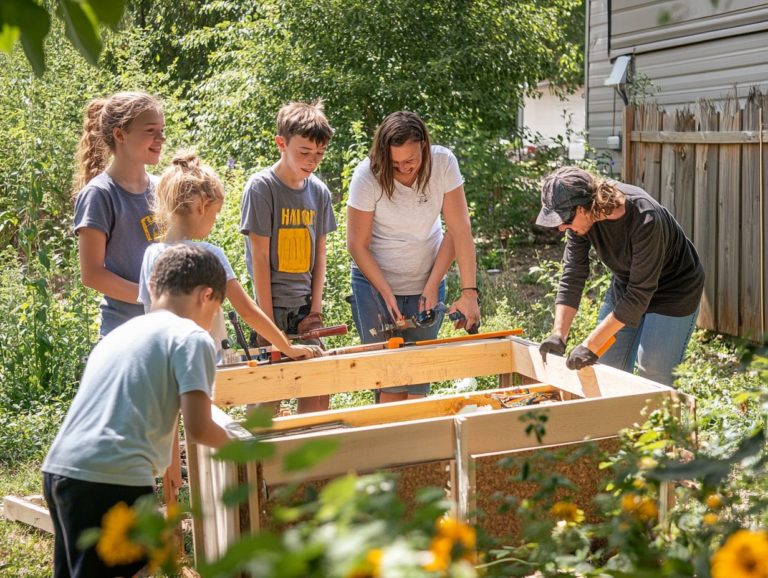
(113, 191)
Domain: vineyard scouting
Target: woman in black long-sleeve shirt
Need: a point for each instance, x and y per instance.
(657, 282)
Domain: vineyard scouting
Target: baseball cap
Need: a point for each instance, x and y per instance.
(563, 191)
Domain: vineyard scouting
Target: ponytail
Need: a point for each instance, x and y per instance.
(97, 143)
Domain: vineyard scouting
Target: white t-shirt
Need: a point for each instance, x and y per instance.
(407, 230)
(218, 328)
(120, 426)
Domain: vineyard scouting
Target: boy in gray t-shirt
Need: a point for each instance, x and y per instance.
(286, 213)
(119, 431)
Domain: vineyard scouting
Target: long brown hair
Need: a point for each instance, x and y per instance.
(102, 117)
(605, 196)
(396, 130)
(185, 180)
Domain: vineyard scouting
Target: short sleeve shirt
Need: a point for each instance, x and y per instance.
(407, 229)
(127, 221)
(293, 219)
(121, 424)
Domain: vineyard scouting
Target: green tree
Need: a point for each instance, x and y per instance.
(29, 22)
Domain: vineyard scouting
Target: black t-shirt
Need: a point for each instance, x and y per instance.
(655, 267)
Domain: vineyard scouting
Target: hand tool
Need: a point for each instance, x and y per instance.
(426, 318)
(239, 334)
(320, 332)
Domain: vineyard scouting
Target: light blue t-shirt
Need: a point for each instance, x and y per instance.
(157, 249)
(120, 426)
(127, 221)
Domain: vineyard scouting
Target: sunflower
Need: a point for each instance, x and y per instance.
(744, 555)
(644, 509)
(454, 539)
(115, 546)
(567, 512)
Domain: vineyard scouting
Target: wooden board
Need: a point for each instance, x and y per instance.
(728, 226)
(29, 510)
(705, 215)
(354, 372)
(685, 165)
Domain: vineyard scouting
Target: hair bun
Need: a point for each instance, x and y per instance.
(186, 158)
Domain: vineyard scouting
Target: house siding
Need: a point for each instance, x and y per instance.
(687, 59)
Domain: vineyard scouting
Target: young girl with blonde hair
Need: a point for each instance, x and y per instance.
(188, 198)
(113, 191)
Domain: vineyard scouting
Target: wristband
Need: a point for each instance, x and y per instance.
(475, 289)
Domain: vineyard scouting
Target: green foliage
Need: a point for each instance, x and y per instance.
(28, 21)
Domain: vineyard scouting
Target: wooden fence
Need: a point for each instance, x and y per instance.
(708, 167)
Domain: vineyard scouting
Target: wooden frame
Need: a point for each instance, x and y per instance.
(593, 403)
(29, 510)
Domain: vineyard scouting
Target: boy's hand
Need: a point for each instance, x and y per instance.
(304, 351)
(314, 320)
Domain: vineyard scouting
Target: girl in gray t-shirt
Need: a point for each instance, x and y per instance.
(113, 220)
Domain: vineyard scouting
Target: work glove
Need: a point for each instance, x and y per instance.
(552, 344)
(314, 320)
(581, 356)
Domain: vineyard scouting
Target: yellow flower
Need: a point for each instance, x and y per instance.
(648, 463)
(567, 512)
(709, 519)
(115, 546)
(638, 483)
(714, 502)
(643, 508)
(370, 567)
(454, 538)
(744, 555)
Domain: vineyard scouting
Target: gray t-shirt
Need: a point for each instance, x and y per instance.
(292, 219)
(407, 229)
(130, 227)
(655, 267)
(120, 426)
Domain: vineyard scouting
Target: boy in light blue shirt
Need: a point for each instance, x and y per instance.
(118, 434)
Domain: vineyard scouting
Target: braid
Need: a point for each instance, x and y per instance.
(92, 152)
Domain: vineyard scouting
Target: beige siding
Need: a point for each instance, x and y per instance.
(682, 73)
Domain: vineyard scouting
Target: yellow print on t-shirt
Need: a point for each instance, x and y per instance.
(294, 250)
(151, 228)
(296, 217)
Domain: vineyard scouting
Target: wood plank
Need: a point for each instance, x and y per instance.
(401, 410)
(685, 164)
(728, 224)
(195, 471)
(638, 156)
(668, 153)
(705, 214)
(651, 181)
(750, 312)
(353, 372)
(29, 510)
(764, 222)
(627, 160)
(700, 137)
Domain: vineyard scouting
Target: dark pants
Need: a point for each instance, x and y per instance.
(75, 506)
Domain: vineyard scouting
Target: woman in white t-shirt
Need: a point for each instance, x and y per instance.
(395, 236)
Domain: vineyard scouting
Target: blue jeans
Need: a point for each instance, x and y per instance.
(76, 505)
(657, 345)
(369, 311)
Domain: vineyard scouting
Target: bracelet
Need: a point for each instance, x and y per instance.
(475, 289)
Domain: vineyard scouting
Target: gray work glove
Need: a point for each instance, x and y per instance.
(552, 344)
(581, 356)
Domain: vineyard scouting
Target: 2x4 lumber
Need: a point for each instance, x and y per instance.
(354, 372)
(29, 510)
(701, 137)
(401, 410)
(367, 449)
(594, 381)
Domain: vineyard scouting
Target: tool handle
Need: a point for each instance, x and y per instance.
(606, 346)
(321, 332)
(457, 315)
(239, 334)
